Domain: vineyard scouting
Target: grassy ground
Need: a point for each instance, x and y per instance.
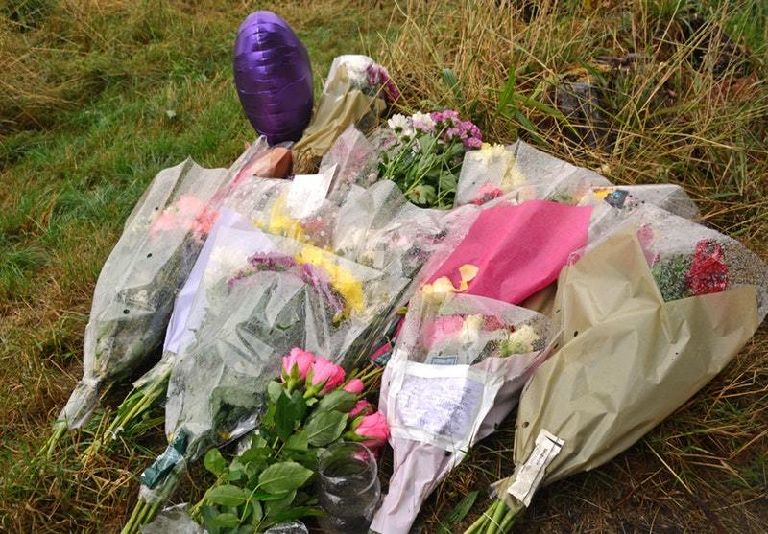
(98, 96)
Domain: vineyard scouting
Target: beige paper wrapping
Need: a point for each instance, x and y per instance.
(341, 106)
(628, 359)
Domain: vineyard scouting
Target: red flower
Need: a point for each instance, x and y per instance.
(708, 272)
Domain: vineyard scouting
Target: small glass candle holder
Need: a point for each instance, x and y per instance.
(349, 489)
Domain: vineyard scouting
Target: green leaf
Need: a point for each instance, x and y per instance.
(447, 182)
(214, 462)
(274, 389)
(223, 520)
(226, 495)
(277, 505)
(257, 512)
(338, 399)
(458, 514)
(297, 513)
(297, 442)
(289, 413)
(283, 477)
(325, 427)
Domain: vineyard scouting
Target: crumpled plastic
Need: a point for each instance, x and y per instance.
(328, 281)
(459, 363)
(134, 295)
(628, 358)
(519, 173)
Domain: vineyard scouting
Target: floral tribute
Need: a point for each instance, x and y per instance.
(313, 405)
(423, 154)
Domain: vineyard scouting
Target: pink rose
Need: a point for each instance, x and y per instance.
(362, 407)
(355, 386)
(372, 430)
(324, 376)
(296, 364)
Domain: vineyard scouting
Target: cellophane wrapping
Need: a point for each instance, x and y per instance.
(459, 364)
(135, 292)
(320, 276)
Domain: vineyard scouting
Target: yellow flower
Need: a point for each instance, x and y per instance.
(340, 278)
(280, 223)
(444, 285)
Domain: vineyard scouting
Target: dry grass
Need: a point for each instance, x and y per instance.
(644, 92)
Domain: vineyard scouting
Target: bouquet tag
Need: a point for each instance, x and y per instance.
(529, 475)
(307, 193)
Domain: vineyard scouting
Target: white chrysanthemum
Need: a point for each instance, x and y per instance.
(399, 122)
(423, 122)
(223, 263)
(521, 340)
(470, 331)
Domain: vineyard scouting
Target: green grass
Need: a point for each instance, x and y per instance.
(97, 97)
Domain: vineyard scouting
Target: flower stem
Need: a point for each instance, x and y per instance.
(59, 428)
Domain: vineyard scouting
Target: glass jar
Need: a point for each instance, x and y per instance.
(349, 489)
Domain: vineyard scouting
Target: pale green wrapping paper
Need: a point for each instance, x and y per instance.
(627, 358)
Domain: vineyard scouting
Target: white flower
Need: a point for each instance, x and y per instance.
(470, 331)
(399, 122)
(423, 122)
(521, 340)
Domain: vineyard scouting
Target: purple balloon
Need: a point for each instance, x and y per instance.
(273, 77)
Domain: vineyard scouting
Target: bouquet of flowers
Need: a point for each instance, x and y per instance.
(318, 281)
(630, 356)
(134, 295)
(423, 154)
(459, 363)
(247, 181)
(356, 92)
(313, 405)
(519, 173)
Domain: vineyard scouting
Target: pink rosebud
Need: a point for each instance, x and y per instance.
(325, 375)
(362, 407)
(299, 362)
(372, 430)
(355, 386)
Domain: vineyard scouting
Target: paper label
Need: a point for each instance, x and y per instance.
(528, 476)
(307, 193)
(452, 406)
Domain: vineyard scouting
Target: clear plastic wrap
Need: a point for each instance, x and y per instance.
(459, 364)
(134, 295)
(520, 172)
(287, 295)
(328, 281)
(135, 292)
